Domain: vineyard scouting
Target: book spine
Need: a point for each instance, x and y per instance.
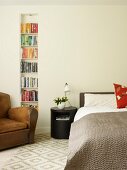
(22, 82)
(32, 30)
(28, 27)
(35, 52)
(22, 39)
(23, 28)
(30, 40)
(36, 28)
(26, 95)
(23, 95)
(31, 82)
(33, 95)
(26, 40)
(27, 81)
(36, 96)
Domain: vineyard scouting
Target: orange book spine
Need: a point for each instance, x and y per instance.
(23, 28)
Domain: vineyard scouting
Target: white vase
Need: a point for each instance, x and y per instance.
(61, 105)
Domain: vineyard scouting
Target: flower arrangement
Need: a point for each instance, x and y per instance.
(59, 100)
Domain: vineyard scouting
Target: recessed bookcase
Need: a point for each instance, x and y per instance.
(29, 60)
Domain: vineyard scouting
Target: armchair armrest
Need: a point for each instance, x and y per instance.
(27, 115)
(20, 114)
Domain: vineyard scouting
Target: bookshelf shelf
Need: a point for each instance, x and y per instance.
(29, 87)
(29, 34)
(29, 60)
(29, 101)
(28, 46)
(29, 73)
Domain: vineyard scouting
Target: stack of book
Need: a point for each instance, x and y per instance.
(29, 40)
(29, 67)
(31, 95)
(30, 82)
(29, 28)
(29, 53)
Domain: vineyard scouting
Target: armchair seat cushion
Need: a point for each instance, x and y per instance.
(8, 125)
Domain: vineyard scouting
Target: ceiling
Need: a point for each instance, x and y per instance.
(63, 2)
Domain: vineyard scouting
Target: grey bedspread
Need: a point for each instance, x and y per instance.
(98, 141)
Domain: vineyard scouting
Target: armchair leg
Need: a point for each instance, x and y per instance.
(31, 138)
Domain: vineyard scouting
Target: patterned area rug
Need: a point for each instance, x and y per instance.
(45, 154)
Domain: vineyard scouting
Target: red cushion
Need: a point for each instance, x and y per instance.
(121, 95)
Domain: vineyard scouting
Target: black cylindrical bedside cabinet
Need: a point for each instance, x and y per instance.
(61, 120)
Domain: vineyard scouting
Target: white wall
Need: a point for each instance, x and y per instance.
(85, 46)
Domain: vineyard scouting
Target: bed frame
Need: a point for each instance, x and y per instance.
(82, 99)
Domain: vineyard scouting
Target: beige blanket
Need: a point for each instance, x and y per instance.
(98, 141)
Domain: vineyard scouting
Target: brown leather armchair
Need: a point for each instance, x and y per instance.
(17, 125)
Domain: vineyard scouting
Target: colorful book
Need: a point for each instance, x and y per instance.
(28, 28)
(31, 53)
(23, 28)
(35, 52)
(25, 53)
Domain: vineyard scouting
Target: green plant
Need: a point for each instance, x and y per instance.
(59, 100)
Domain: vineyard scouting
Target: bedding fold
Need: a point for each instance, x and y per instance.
(98, 141)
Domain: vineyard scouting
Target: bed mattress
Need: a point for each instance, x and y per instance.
(83, 111)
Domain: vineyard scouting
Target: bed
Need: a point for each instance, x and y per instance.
(98, 136)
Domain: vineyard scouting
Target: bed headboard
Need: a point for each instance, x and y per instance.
(82, 99)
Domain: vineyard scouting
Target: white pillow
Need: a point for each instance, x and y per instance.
(100, 100)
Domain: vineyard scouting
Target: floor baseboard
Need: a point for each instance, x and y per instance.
(42, 130)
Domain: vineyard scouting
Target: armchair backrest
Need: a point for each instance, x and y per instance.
(5, 104)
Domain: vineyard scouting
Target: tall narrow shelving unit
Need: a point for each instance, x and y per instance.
(29, 60)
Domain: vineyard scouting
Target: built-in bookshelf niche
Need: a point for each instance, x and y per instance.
(29, 60)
